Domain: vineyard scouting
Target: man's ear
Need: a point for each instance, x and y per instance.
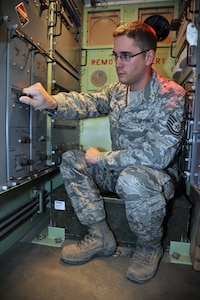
(150, 57)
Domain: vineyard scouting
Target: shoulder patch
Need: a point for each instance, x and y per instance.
(174, 126)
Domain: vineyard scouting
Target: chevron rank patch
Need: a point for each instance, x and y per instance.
(174, 126)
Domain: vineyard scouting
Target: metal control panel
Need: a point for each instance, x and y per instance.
(32, 50)
(186, 73)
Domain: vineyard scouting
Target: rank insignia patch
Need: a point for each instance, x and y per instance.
(174, 126)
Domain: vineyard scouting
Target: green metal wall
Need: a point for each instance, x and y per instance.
(19, 196)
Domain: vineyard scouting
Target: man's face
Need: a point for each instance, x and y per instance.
(136, 71)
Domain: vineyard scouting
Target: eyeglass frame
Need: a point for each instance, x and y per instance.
(115, 56)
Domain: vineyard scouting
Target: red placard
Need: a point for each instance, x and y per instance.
(22, 14)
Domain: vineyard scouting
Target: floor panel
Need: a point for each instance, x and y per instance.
(30, 271)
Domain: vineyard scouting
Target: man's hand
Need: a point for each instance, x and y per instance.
(91, 155)
(38, 97)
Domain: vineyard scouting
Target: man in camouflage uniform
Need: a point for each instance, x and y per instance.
(146, 114)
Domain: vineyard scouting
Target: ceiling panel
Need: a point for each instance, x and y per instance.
(116, 2)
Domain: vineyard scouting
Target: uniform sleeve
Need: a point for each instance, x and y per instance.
(162, 140)
(76, 105)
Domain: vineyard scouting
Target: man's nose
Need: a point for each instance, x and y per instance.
(118, 61)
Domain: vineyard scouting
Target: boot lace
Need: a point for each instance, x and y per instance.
(145, 255)
(87, 240)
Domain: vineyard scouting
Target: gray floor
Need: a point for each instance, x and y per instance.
(31, 271)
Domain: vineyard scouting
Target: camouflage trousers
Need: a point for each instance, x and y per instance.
(144, 190)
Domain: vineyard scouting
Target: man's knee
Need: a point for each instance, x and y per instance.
(138, 180)
(68, 155)
(129, 182)
(70, 161)
(71, 156)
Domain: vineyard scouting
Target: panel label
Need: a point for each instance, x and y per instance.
(22, 14)
(59, 205)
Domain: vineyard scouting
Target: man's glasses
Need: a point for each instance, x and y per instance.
(126, 56)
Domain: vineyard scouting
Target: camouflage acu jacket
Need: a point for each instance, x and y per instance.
(147, 131)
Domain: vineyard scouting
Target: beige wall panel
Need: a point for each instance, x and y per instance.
(100, 27)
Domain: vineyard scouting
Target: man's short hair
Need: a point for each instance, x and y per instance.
(143, 34)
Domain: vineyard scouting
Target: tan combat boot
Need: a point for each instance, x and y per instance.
(99, 241)
(144, 263)
(148, 252)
